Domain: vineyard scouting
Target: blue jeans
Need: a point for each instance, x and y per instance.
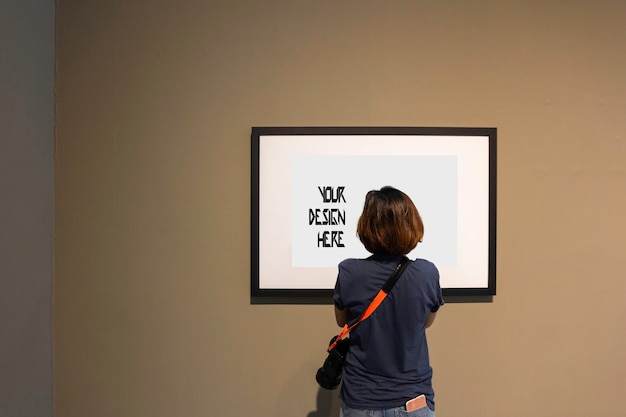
(346, 411)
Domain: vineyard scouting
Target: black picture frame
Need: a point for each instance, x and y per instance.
(281, 155)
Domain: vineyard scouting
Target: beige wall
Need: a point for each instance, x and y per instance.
(155, 101)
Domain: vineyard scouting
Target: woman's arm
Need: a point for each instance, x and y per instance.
(341, 316)
(430, 319)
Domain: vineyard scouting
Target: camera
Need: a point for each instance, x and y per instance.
(329, 375)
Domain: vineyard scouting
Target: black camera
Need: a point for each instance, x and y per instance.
(329, 375)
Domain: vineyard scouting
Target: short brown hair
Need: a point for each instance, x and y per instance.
(390, 223)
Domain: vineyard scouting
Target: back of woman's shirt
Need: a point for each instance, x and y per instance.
(388, 361)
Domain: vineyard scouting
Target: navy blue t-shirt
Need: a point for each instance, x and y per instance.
(388, 361)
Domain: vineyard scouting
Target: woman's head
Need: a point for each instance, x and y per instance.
(390, 223)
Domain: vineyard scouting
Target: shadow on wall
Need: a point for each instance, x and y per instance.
(327, 404)
(299, 390)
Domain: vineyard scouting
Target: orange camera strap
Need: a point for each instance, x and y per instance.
(375, 302)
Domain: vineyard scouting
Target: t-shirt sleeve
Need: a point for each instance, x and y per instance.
(437, 294)
(337, 299)
(337, 296)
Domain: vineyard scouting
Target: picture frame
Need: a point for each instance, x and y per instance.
(308, 185)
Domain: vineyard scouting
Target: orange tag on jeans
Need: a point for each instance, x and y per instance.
(416, 403)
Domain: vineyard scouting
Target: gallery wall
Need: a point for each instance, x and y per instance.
(154, 106)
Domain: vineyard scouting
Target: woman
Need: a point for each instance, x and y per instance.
(388, 362)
